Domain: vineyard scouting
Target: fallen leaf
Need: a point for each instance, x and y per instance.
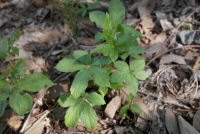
(171, 121)
(187, 37)
(197, 63)
(172, 58)
(154, 50)
(113, 106)
(166, 25)
(185, 127)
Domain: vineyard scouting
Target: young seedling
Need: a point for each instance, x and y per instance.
(120, 43)
(14, 84)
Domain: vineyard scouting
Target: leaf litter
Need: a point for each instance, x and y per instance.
(170, 95)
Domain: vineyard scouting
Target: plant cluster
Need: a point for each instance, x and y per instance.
(119, 43)
(14, 84)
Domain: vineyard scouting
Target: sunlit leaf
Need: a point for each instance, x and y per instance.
(95, 99)
(123, 110)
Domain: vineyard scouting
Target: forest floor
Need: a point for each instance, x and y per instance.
(169, 98)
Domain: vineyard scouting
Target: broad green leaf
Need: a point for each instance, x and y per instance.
(98, 17)
(79, 53)
(135, 108)
(4, 94)
(103, 48)
(130, 98)
(99, 37)
(71, 101)
(137, 65)
(129, 30)
(123, 110)
(63, 99)
(4, 75)
(95, 99)
(113, 55)
(125, 39)
(3, 104)
(132, 83)
(116, 11)
(23, 70)
(116, 85)
(69, 65)
(140, 75)
(34, 82)
(124, 56)
(121, 65)
(88, 116)
(80, 83)
(3, 47)
(136, 49)
(136, 56)
(100, 76)
(4, 84)
(19, 63)
(100, 61)
(109, 30)
(73, 114)
(21, 104)
(84, 13)
(103, 90)
(85, 59)
(118, 76)
(15, 50)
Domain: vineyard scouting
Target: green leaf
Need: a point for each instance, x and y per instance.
(4, 94)
(136, 49)
(95, 99)
(103, 48)
(113, 55)
(109, 30)
(125, 39)
(116, 85)
(116, 11)
(129, 30)
(73, 114)
(4, 75)
(4, 84)
(100, 76)
(130, 98)
(136, 56)
(15, 50)
(23, 70)
(34, 82)
(123, 110)
(137, 65)
(21, 104)
(99, 37)
(135, 108)
(121, 65)
(98, 17)
(140, 75)
(82, 56)
(69, 65)
(3, 47)
(80, 83)
(103, 90)
(88, 116)
(71, 101)
(100, 61)
(63, 99)
(3, 104)
(118, 76)
(132, 83)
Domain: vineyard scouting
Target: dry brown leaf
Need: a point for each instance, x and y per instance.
(172, 58)
(15, 121)
(159, 38)
(171, 121)
(113, 106)
(197, 63)
(196, 120)
(185, 127)
(154, 49)
(166, 25)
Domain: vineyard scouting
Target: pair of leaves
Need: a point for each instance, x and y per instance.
(129, 105)
(88, 67)
(129, 73)
(80, 108)
(21, 103)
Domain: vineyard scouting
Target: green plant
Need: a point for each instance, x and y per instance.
(14, 83)
(120, 43)
(85, 7)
